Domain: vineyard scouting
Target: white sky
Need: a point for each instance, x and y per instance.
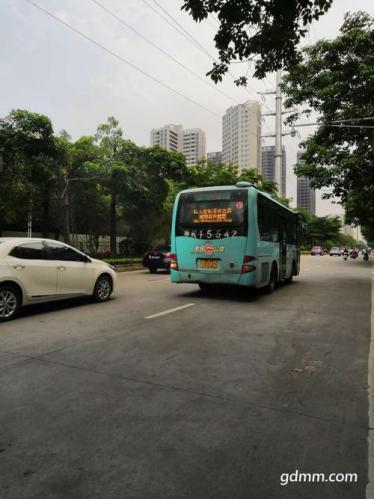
(48, 69)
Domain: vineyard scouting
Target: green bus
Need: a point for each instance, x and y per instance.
(233, 235)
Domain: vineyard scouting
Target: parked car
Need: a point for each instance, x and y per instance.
(335, 251)
(317, 250)
(158, 258)
(43, 270)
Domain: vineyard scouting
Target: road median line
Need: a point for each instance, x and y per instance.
(169, 311)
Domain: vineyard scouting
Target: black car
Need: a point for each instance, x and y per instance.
(158, 258)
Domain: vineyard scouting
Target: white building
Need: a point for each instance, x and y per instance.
(241, 135)
(169, 137)
(194, 145)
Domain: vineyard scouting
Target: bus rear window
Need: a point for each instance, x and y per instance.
(215, 208)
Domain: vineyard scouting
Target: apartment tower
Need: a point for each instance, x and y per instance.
(241, 135)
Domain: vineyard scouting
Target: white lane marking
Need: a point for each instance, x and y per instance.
(170, 311)
(370, 486)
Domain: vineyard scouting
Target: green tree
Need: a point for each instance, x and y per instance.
(267, 32)
(346, 241)
(28, 167)
(336, 80)
(113, 165)
(322, 229)
(146, 201)
(79, 194)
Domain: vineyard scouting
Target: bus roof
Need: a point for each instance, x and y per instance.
(230, 187)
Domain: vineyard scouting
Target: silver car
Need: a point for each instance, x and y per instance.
(335, 251)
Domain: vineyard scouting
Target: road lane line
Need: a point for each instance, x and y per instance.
(370, 486)
(170, 311)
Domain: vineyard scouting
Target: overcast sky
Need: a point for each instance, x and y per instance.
(47, 68)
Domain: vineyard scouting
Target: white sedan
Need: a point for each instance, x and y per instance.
(40, 270)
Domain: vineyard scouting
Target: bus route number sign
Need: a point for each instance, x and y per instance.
(210, 233)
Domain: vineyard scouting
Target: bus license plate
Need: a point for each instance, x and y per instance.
(208, 264)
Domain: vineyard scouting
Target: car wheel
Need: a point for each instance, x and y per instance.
(272, 282)
(152, 270)
(10, 302)
(103, 288)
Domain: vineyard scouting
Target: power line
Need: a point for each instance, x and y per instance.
(353, 126)
(124, 23)
(120, 58)
(198, 44)
(181, 30)
(201, 47)
(167, 21)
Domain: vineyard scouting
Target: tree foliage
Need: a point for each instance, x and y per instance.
(325, 231)
(264, 31)
(336, 80)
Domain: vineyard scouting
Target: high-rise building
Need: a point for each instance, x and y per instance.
(241, 135)
(215, 157)
(168, 137)
(173, 138)
(268, 166)
(194, 145)
(306, 196)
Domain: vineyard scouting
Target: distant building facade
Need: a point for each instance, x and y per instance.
(169, 137)
(194, 145)
(268, 166)
(215, 157)
(241, 135)
(306, 196)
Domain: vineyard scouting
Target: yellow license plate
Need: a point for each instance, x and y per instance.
(208, 264)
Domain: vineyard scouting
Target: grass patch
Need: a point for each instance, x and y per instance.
(122, 261)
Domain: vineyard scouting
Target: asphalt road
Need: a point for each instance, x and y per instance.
(214, 400)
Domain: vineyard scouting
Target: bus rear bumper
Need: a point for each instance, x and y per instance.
(248, 279)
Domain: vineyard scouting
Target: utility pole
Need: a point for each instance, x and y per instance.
(278, 132)
(278, 150)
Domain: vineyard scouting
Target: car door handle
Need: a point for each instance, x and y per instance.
(18, 267)
(61, 267)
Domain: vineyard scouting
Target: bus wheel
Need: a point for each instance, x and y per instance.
(272, 282)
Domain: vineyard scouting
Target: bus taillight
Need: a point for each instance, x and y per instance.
(246, 267)
(174, 261)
